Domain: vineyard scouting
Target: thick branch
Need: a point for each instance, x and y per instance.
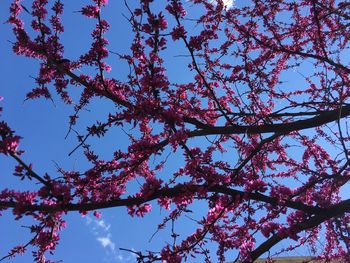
(165, 192)
(333, 211)
(280, 128)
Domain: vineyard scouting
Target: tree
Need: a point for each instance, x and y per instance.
(256, 118)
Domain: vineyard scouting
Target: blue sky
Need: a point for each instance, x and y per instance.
(42, 125)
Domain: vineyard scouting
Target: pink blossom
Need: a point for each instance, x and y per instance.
(97, 214)
(9, 145)
(90, 11)
(178, 32)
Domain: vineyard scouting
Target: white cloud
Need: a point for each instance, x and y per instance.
(101, 223)
(102, 231)
(227, 3)
(106, 242)
(98, 223)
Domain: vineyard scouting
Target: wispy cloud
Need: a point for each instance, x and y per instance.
(102, 224)
(106, 242)
(102, 231)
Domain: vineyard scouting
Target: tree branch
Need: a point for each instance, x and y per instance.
(280, 128)
(333, 211)
(165, 192)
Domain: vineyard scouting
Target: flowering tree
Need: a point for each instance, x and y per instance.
(266, 152)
